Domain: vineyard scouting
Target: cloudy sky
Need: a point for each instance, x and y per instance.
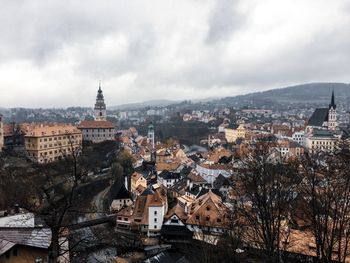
(53, 53)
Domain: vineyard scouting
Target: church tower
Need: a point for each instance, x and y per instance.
(100, 106)
(150, 135)
(332, 114)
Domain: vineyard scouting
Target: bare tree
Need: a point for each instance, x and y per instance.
(326, 187)
(265, 188)
(50, 191)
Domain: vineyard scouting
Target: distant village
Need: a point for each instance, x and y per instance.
(176, 192)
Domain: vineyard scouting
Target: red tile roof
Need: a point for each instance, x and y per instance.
(96, 125)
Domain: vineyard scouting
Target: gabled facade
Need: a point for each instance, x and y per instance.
(119, 197)
(168, 179)
(146, 215)
(208, 213)
(137, 180)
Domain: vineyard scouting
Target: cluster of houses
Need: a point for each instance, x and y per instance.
(173, 191)
(49, 142)
(319, 133)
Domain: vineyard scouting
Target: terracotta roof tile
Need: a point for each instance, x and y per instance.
(96, 125)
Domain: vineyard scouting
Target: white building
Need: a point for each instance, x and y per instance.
(299, 137)
(320, 140)
(168, 179)
(97, 131)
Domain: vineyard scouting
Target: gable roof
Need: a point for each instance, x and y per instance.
(208, 210)
(319, 116)
(221, 181)
(177, 210)
(166, 175)
(118, 191)
(33, 237)
(136, 176)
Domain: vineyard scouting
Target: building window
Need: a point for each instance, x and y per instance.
(155, 213)
(174, 221)
(155, 226)
(155, 220)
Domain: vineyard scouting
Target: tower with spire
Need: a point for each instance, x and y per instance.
(150, 135)
(100, 106)
(332, 114)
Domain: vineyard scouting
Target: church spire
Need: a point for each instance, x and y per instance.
(332, 105)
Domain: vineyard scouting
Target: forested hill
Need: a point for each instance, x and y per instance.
(319, 93)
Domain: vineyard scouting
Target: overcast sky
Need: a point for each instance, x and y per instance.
(53, 53)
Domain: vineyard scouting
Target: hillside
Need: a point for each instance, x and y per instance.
(150, 103)
(317, 93)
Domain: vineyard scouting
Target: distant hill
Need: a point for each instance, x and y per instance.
(318, 93)
(150, 103)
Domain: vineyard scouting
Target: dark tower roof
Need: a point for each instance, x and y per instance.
(99, 92)
(332, 105)
(100, 104)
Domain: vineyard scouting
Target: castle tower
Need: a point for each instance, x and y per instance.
(100, 106)
(332, 114)
(150, 135)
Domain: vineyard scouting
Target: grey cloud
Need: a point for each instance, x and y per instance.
(224, 20)
(61, 42)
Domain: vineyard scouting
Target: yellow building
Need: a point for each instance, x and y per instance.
(48, 143)
(137, 180)
(231, 135)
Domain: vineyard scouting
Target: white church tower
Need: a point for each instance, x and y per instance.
(150, 135)
(332, 115)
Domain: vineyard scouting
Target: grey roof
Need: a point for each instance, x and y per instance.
(319, 116)
(33, 237)
(322, 133)
(118, 191)
(167, 257)
(147, 192)
(166, 175)
(221, 181)
(5, 246)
